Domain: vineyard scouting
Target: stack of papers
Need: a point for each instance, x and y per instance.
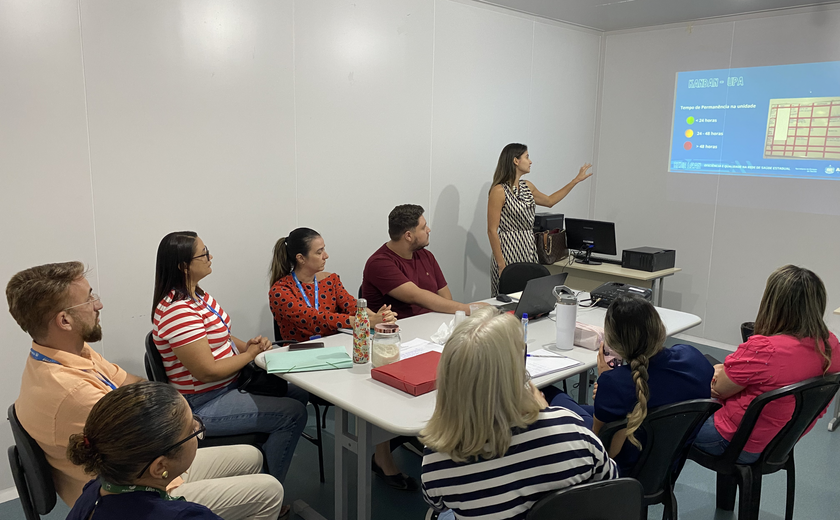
(327, 358)
(418, 346)
(542, 362)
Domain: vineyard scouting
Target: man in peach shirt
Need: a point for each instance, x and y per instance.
(64, 377)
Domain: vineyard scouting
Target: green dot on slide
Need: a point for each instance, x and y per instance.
(690, 120)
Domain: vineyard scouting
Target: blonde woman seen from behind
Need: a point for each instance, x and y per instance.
(488, 410)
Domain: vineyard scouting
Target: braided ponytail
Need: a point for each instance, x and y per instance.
(634, 330)
(639, 369)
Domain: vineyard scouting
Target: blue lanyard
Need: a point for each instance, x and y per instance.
(40, 357)
(211, 309)
(300, 288)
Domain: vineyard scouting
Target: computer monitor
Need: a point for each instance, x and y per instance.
(590, 236)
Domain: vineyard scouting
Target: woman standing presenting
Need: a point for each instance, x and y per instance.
(511, 208)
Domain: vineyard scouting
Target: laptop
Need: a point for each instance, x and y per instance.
(537, 299)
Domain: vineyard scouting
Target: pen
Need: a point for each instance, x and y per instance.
(537, 355)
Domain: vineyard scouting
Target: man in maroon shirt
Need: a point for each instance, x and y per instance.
(403, 273)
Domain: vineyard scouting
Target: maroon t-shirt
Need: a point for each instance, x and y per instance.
(385, 271)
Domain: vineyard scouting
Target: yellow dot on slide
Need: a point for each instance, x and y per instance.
(689, 132)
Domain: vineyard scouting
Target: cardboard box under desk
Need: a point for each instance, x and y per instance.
(415, 375)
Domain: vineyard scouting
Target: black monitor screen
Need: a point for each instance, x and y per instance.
(592, 236)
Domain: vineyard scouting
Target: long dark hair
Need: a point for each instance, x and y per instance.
(793, 304)
(174, 254)
(126, 429)
(505, 169)
(633, 328)
(286, 250)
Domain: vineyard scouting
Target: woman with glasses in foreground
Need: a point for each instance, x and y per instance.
(492, 432)
(137, 439)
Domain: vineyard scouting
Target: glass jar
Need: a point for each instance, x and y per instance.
(386, 344)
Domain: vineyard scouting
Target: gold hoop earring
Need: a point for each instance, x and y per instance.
(165, 474)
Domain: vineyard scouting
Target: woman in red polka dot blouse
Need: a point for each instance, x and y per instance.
(305, 300)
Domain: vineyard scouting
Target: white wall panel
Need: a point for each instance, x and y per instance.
(363, 96)
(192, 128)
(729, 232)
(482, 88)
(47, 212)
(564, 87)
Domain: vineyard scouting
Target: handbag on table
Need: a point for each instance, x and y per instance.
(551, 246)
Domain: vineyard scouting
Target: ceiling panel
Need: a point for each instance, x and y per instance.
(615, 15)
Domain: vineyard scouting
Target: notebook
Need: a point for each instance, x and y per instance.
(327, 358)
(551, 363)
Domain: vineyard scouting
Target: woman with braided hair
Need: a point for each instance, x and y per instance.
(651, 375)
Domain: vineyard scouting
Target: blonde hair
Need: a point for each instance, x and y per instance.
(482, 389)
(793, 304)
(633, 328)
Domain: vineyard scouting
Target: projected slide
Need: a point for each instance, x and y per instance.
(781, 121)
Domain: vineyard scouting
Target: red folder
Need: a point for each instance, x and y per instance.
(415, 375)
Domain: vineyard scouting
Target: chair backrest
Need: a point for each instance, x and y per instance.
(31, 472)
(747, 330)
(667, 432)
(618, 499)
(153, 362)
(516, 276)
(811, 396)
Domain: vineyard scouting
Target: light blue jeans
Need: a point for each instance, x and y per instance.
(227, 411)
(711, 441)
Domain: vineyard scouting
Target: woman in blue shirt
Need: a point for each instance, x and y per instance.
(137, 439)
(651, 376)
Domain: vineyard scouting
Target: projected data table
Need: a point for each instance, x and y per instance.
(803, 128)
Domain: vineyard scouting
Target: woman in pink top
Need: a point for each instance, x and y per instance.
(791, 344)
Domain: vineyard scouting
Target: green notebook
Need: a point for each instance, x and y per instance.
(327, 358)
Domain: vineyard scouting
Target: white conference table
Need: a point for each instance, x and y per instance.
(382, 412)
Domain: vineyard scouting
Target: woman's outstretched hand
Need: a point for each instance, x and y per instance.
(582, 174)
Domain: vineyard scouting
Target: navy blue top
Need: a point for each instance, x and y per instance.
(139, 505)
(675, 374)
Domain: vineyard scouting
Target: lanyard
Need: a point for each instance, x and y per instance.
(211, 309)
(113, 488)
(40, 357)
(300, 288)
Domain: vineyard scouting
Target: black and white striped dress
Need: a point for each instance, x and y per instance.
(516, 231)
(555, 452)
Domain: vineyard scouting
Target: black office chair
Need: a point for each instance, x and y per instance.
(516, 276)
(812, 397)
(618, 499)
(155, 371)
(30, 471)
(320, 421)
(747, 330)
(667, 430)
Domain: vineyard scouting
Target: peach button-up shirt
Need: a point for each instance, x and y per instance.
(54, 403)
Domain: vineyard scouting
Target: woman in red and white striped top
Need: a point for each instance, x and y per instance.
(203, 359)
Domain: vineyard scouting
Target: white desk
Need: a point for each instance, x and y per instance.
(383, 412)
(587, 277)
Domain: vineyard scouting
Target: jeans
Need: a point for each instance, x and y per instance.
(564, 400)
(227, 411)
(712, 442)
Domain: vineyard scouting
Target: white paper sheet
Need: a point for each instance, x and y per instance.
(542, 362)
(418, 346)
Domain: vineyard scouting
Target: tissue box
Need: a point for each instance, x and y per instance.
(415, 375)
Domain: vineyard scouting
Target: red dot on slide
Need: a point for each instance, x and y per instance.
(687, 145)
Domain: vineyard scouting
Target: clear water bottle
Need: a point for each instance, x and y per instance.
(361, 334)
